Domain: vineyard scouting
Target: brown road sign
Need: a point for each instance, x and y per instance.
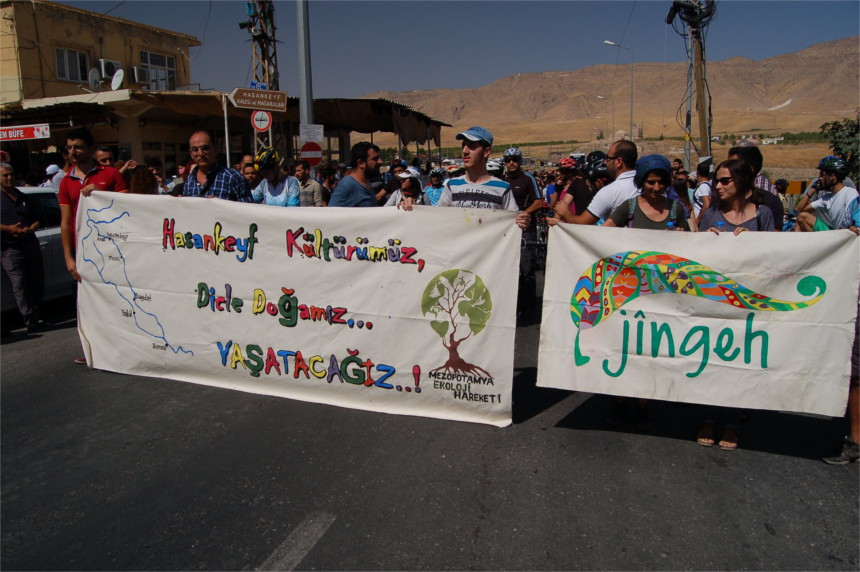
(258, 99)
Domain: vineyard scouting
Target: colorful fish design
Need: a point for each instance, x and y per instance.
(617, 280)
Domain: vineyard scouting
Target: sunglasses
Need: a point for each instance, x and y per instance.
(514, 159)
(724, 180)
(202, 148)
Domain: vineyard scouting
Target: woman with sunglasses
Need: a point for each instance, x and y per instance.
(737, 206)
(410, 187)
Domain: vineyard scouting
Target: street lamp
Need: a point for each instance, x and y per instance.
(614, 45)
(612, 103)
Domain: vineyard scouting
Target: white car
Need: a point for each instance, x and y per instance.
(58, 283)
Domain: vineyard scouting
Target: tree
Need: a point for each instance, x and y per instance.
(844, 138)
(450, 297)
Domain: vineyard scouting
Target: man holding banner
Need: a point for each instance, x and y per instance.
(354, 190)
(478, 189)
(210, 179)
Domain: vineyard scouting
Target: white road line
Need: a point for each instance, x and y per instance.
(300, 541)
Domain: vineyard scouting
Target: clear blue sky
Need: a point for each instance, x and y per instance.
(358, 47)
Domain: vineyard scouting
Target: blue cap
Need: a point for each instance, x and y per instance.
(476, 133)
(650, 163)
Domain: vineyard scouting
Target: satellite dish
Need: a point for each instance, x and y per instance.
(94, 78)
(116, 80)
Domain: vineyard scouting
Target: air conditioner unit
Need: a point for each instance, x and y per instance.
(139, 75)
(108, 68)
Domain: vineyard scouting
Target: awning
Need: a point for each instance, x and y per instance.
(360, 115)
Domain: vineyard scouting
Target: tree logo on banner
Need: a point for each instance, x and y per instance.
(451, 297)
(616, 280)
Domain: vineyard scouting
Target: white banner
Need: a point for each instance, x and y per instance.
(374, 309)
(759, 320)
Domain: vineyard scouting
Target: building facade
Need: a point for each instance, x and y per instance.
(51, 50)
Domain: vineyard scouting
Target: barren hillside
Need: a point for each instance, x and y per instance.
(791, 92)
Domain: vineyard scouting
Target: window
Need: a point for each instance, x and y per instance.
(162, 70)
(72, 65)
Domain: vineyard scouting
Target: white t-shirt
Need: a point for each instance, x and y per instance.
(56, 180)
(492, 194)
(613, 195)
(703, 190)
(834, 209)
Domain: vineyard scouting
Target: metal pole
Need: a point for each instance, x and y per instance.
(226, 128)
(613, 44)
(632, 137)
(306, 96)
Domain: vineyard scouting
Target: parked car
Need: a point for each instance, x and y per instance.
(58, 283)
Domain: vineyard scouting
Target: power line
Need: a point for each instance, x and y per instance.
(114, 8)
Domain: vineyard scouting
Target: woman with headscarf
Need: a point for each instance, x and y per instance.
(651, 209)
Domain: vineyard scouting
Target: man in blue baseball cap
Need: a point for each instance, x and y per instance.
(477, 188)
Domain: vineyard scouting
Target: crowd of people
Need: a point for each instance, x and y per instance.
(614, 189)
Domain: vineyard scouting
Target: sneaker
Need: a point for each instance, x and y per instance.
(81, 359)
(850, 453)
(36, 326)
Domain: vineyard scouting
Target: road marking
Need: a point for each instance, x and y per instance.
(300, 541)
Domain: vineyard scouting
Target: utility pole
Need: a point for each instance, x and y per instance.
(695, 15)
(701, 104)
(264, 54)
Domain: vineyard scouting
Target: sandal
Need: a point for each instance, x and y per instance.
(705, 437)
(729, 442)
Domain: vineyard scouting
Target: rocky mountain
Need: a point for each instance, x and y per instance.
(790, 92)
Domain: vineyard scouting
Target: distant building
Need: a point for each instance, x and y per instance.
(49, 49)
(59, 64)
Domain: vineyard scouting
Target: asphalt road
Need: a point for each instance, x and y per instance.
(107, 471)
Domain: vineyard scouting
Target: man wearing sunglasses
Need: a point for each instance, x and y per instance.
(528, 198)
(208, 178)
(621, 166)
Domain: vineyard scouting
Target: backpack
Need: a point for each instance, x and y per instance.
(673, 211)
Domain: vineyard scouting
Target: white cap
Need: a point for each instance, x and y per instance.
(52, 170)
(410, 172)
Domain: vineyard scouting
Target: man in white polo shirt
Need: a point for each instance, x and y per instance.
(621, 166)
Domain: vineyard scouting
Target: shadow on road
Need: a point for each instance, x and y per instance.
(789, 434)
(530, 400)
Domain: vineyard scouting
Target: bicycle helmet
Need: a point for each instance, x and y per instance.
(597, 170)
(567, 163)
(495, 168)
(513, 152)
(267, 158)
(835, 165)
(594, 157)
(781, 184)
(437, 173)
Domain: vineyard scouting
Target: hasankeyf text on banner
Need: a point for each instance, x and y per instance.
(374, 309)
(761, 320)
